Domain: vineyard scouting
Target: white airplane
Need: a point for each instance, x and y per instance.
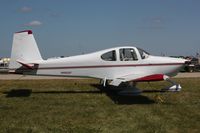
(119, 66)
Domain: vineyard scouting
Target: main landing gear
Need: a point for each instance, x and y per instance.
(130, 89)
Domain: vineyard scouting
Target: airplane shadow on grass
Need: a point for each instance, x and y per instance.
(18, 93)
(123, 99)
(28, 92)
(112, 94)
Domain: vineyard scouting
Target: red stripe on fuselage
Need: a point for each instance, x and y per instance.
(106, 66)
(103, 66)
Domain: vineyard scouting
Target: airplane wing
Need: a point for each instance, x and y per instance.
(138, 78)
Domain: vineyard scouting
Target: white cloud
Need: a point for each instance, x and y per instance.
(25, 9)
(157, 20)
(55, 15)
(153, 23)
(34, 23)
(154, 20)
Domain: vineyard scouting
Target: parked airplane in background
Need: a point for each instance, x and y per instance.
(119, 66)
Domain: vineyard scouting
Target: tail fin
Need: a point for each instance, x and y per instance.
(24, 48)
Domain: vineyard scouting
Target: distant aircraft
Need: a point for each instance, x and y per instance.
(119, 66)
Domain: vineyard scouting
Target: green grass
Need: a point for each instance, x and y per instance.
(78, 106)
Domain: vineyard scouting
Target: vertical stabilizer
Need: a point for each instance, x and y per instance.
(24, 48)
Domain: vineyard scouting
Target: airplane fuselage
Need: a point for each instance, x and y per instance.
(92, 65)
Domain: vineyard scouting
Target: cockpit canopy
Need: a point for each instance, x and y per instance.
(125, 54)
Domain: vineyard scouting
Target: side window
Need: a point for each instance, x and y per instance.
(109, 56)
(127, 54)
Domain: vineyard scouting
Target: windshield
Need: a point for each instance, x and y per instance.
(143, 53)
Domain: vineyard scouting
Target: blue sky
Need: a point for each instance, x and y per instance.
(70, 27)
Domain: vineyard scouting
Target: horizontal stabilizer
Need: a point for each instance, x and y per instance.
(27, 65)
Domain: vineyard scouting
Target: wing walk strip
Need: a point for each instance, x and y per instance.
(103, 66)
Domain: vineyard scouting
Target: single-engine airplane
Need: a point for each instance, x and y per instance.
(119, 66)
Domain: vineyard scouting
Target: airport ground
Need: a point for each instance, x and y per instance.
(80, 106)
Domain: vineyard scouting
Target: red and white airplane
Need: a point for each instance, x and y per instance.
(117, 66)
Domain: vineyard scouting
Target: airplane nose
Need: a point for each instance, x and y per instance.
(185, 61)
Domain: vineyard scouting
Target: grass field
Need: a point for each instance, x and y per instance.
(77, 106)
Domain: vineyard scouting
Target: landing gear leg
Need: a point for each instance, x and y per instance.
(175, 87)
